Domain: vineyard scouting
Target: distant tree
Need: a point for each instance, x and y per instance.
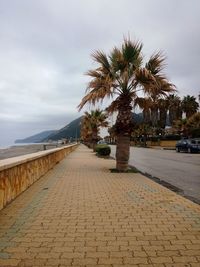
(145, 104)
(163, 105)
(193, 125)
(86, 130)
(91, 125)
(189, 105)
(154, 110)
(112, 134)
(175, 108)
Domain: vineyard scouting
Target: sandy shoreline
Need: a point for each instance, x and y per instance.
(20, 150)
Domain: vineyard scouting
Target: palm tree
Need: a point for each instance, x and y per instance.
(121, 75)
(112, 135)
(189, 105)
(175, 108)
(145, 104)
(193, 125)
(86, 130)
(91, 124)
(154, 110)
(158, 93)
(163, 105)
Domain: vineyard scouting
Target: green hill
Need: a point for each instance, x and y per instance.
(70, 131)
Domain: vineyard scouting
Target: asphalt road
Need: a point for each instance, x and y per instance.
(181, 170)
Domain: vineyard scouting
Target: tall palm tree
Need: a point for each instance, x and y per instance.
(92, 122)
(189, 105)
(145, 104)
(111, 131)
(121, 75)
(158, 93)
(175, 108)
(163, 105)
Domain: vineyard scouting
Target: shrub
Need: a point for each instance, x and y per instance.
(103, 150)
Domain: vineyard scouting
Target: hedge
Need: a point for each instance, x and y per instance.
(103, 150)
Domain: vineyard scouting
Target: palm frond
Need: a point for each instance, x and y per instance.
(94, 74)
(144, 78)
(113, 106)
(117, 61)
(98, 93)
(101, 58)
(132, 52)
(156, 63)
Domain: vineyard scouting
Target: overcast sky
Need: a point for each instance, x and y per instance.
(45, 48)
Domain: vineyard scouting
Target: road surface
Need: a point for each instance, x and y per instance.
(181, 170)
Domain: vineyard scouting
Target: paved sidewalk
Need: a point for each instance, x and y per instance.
(80, 214)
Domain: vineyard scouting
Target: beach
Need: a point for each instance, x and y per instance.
(20, 150)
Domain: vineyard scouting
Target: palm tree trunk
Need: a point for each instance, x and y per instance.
(94, 139)
(123, 132)
(163, 118)
(146, 115)
(122, 152)
(154, 116)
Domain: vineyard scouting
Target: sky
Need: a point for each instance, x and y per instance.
(46, 46)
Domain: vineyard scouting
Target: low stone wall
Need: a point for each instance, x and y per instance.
(168, 143)
(18, 173)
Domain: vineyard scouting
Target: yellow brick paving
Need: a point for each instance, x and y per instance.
(80, 214)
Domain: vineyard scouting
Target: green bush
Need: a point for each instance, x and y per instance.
(103, 150)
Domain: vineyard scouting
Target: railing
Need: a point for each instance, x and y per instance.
(18, 173)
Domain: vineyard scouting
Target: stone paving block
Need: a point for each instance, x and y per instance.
(107, 261)
(161, 259)
(9, 262)
(135, 260)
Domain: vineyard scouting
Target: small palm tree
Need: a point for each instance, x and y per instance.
(189, 105)
(91, 125)
(121, 75)
(86, 130)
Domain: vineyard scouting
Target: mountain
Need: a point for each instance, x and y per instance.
(70, 131)
(37, 138)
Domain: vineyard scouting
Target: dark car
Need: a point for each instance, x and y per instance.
(188, 145)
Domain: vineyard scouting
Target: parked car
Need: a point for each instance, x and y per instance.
(188, 145)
